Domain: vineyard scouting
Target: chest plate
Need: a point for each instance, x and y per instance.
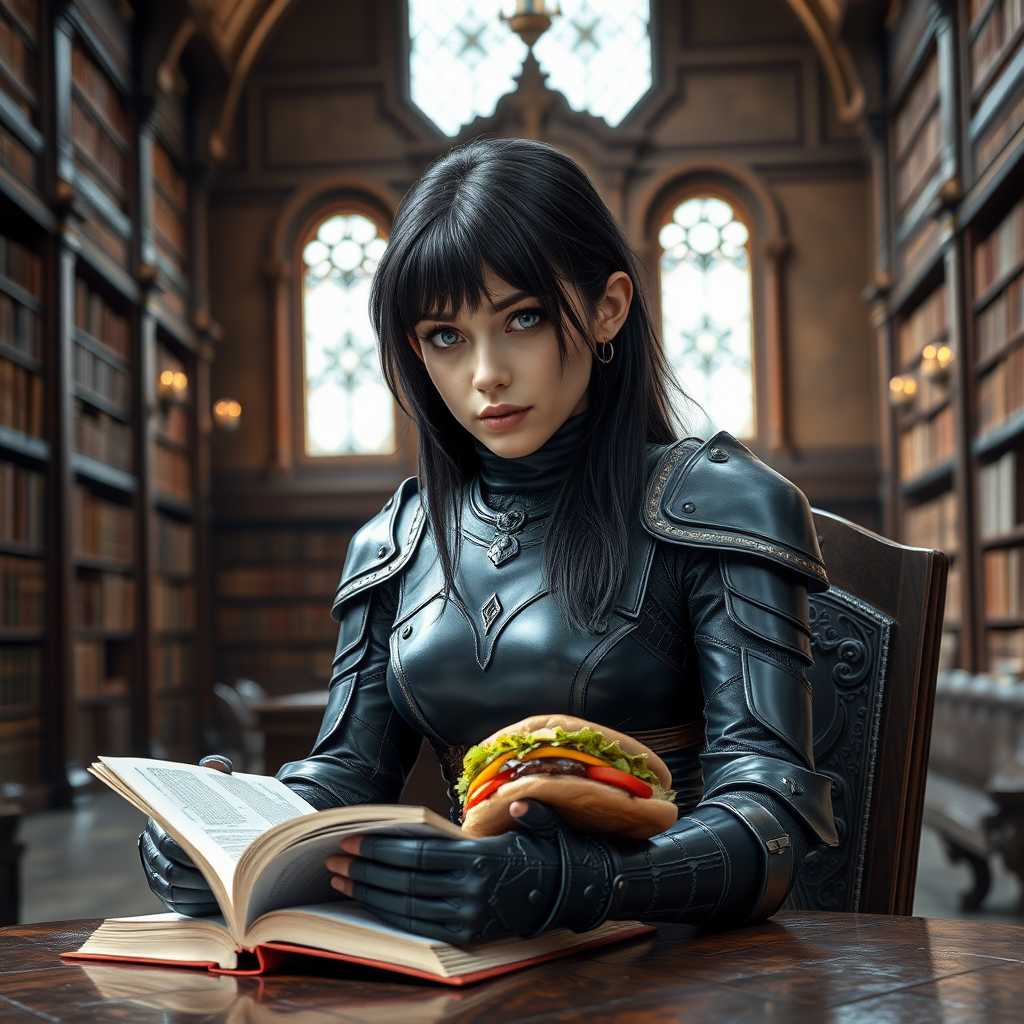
(461, 670)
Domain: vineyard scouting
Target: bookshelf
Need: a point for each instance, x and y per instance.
(104, 646)
(954, 316)
(274, 587)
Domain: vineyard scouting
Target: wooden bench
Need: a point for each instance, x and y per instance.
(975, 791)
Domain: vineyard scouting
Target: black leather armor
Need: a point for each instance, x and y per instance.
(702, 658)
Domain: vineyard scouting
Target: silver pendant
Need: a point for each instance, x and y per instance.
(490, 612)
(505, 546)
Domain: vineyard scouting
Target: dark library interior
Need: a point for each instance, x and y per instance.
(194, 195)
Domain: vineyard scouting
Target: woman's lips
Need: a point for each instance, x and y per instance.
(503, 419)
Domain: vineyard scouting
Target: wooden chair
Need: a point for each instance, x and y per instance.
(875, 640)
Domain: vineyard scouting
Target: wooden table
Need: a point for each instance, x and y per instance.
(800, 967)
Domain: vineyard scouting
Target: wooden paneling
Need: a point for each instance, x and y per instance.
(324, 33)
(732, 22)
(323, 127)
(730, 106)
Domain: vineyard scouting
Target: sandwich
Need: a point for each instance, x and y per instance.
(599, 780)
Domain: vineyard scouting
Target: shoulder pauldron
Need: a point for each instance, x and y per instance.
(720, 495)
(383, 546)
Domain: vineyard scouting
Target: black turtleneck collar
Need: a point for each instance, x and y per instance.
(540, 470)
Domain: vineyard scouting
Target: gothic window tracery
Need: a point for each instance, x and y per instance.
(463, 59)
(706, 311)
(348, 408)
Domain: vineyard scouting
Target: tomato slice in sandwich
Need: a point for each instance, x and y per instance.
(613, 777)
(481, 793)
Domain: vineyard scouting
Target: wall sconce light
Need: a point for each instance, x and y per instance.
(227, 414)
(935, 361)
(172, 385)
(902, 391)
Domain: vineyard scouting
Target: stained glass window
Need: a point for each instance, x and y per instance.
(349, 410)
(705, 301)
(463, 58)
(598, 55)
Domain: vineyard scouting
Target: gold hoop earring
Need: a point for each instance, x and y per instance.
(605, 359)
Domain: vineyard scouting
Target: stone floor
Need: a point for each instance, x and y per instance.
(84, 863)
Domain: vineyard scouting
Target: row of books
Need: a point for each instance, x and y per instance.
(105, 600)
(1001, 320)
(20, 751)
(294, 622)
(102, 437)
(281, 544)
(22, 504)
(95, 317)
(172, 732)
(91, 678)
(1002, 22)
(16, 58)
(21, 399)
(21, 674)
(921, 161)
(1004, 650)
(289, 665)
(93, 138)
(175, 546)
(926, 325)
(1001, 391)
(101, 528)
(927, 444)
(22, 592)
(20, 328)
(172, 666)
(172, 472)
(1001, 251)
(99, 90)
(21, 265)
(174, 605)
(922, 95)
(99, 377)
(271, 581)
(997, 496)
(170, 209)
(101, 729)
(171, 424)
(1004, 596)
(932, 524)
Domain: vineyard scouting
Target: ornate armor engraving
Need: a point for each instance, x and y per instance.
(506, 544)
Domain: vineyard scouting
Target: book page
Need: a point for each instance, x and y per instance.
(213, 815)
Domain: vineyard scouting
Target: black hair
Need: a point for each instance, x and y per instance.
(530, 214)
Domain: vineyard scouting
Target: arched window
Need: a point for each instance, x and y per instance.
(348, 409)
(706, 310)
(463, 57)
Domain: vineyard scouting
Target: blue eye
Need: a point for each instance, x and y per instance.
(526, 320)
(445, 337)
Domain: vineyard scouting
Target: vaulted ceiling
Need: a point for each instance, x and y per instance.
(237, 30)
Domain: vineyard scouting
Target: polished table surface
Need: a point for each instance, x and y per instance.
(800, 967)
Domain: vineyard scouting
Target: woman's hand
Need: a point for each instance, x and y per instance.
(171, 875)
(475, 890)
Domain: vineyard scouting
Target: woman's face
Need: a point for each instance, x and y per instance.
(499, 371)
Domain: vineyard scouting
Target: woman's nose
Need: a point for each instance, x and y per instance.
(491, 370)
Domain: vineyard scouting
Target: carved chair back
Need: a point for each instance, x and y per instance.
(875, 639)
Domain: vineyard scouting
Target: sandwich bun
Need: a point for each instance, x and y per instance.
(584, 803)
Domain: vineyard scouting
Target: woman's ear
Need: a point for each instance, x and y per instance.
(613, 306)
(417, 346)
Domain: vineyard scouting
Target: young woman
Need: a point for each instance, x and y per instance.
(559, 551)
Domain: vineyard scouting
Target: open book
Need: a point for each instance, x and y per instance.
(262, 849)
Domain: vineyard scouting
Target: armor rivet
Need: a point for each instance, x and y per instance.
(689, 507)
(381, 551)
(620, 885)
(718, 455)
(535, 896)
(590, 892)
(480, 866)
(407, 632)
